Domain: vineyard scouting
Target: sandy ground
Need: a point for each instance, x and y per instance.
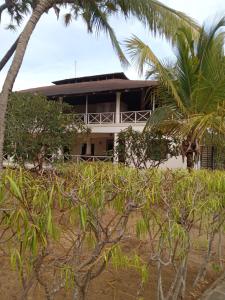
(115, 284)
(111, 284)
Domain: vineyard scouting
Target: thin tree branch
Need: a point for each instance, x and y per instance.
(8, 54)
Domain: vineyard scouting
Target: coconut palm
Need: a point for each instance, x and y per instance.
(16, 9)
(156, 16)
(193, 90)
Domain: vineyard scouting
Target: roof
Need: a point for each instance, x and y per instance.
(120, 75)
(91, 87)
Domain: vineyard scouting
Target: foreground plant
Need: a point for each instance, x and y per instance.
(182, 213)
(26, 225)
(67, 228)
(63, 230)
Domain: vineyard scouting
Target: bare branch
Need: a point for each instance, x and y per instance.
(8, 54)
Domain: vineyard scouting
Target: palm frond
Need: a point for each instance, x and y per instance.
(141, 54)
(96, 19)
(161, 19)
(67, 19)
(162, 115)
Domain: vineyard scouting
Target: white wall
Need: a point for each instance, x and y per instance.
(174, 163)
(115, 128)
(99, 140)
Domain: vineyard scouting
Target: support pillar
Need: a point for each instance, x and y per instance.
(118, 98)
(86, 106)
(86, 110)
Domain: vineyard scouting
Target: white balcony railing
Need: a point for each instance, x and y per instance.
(101, 118)
(135, 116)
(110, 117)
(89, 158)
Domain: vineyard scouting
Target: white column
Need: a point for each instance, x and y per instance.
(115, 158)
(118, 96)
(86, 110)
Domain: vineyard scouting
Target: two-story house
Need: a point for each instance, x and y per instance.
(107, 104)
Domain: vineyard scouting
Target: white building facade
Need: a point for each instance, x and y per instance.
(107, 104)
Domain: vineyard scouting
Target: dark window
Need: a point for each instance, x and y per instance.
(92, 149)
(83, 149)
(109, 145)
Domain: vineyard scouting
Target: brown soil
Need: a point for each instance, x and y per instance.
(112, 284)
(115, 284)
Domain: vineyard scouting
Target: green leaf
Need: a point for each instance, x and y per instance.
(14, 188)
(83, 217)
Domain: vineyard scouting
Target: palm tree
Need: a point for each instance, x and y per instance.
(16, 9)
(193, 90)
(157, 17)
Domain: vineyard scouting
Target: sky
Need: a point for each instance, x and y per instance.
(54, 49)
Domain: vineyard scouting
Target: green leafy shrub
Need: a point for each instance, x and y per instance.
(37, 129)
(145, 149)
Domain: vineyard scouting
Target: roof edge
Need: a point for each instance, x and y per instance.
(108, 76)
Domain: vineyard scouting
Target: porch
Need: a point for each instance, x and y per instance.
(93, 148)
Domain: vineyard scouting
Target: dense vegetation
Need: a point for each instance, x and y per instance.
(70, 226)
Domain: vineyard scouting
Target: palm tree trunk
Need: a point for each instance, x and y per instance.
(24, 38)
(8, 54)
(190, 160)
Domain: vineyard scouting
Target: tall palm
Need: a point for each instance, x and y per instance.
(159, 18)
(193, 90)
(17, 10)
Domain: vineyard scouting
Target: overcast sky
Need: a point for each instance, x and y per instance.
(53, 48)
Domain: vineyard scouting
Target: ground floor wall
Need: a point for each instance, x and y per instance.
(174, 163)
(102, 144)
(94, 144)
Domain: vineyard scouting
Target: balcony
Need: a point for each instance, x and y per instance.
(112, 117)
